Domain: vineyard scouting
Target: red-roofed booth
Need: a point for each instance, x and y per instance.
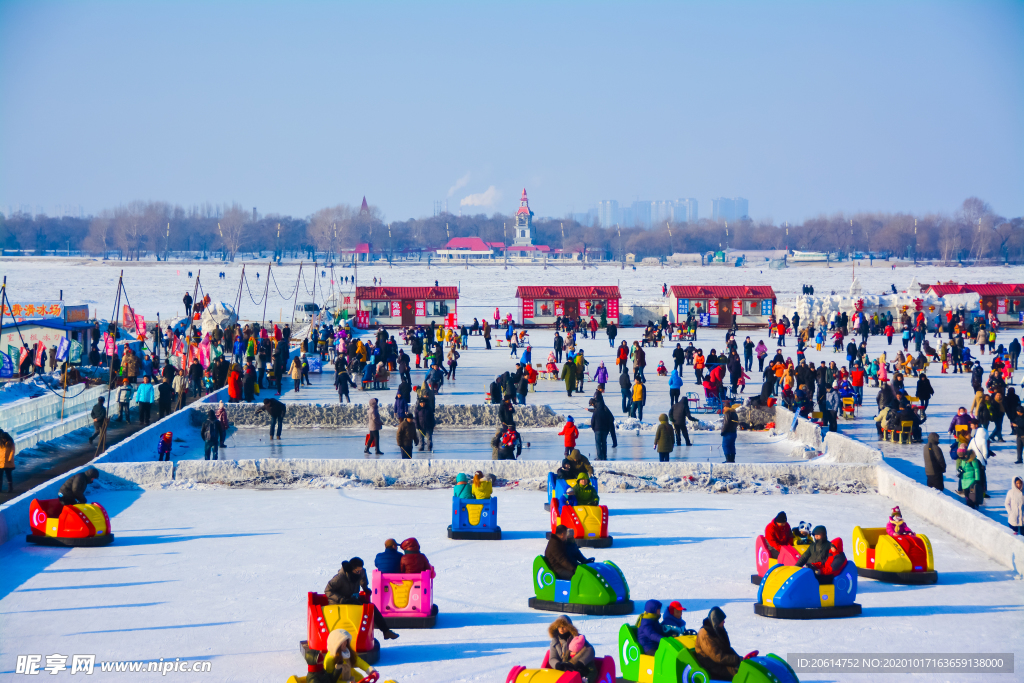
(1005, 300)
(407, 306)
(540, 305)
(724, 304)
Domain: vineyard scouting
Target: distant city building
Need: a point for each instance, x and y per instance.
(641, 214)
(662, 211)
(724, 209)
(608, 212)
(524, 223)
(685, 211)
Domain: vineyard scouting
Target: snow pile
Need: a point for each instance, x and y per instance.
(301, 415)
(217, 314)
(811, 307)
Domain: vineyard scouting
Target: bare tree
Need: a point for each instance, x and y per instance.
(101, 233)
(328, 226)
(129, 228)
(233, 229)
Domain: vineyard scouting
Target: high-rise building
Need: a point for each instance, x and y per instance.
(608, 212)
(641, 214)
(685, 211)
(723, 209)
(662, 211)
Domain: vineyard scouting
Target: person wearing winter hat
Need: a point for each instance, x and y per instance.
(581, 659)
(713, 651)
(389, 561)
(824, 557)
(777, 534)
(1015, 505)
(672, 622)
(580, 462)
(347, 665)
(896, 525)
(413, 562)
(567, 470)
(584, 492)
(345, 588)
(463, 489)
(72, 491)
(571, 432)
(648, 626)
(664, 440)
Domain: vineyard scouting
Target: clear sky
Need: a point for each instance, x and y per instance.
(801, 107)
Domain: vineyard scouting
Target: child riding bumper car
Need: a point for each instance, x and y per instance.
(322, 618)
(903, 558)
(596, 588)
(589, 523)
(78, 525)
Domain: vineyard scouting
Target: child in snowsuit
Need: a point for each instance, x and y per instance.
(571, 432)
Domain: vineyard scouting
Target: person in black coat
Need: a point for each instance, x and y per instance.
(495, 390)
(342, 382)
(924, 391)
(506, 413)
(558, 345)
(425, 422)
(603, 425)
(249, 384)
(679, 414)
(72, 491)
(626, 386)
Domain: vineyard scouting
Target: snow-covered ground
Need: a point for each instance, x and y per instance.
(222, 575)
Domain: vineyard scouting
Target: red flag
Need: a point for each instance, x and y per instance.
(40, 348)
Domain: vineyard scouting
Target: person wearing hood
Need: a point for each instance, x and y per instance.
(730, 423)
(374, 425)
(507, 412)
(713, 650)
(664, 442)
(970, 471)
(571, 433)
(221, 413)
(407, 436)
(567, 470)
(626, 387)
(72, 491)
(210, 433)
(1015, 505)
(569, 374)
(584, 492)
(348, 666)
(675, 385)
(979, 446)
(601, 376)
(413, 561)
(562, 632)
(934, 463)
(463, 489)
(648, 627)
(580, 463)
(389, 561)
(824, 557)
(672, 623)
(425, 423)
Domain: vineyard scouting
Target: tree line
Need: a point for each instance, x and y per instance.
(144, 229)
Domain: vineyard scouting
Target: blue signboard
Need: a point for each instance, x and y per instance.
(766, 307)
(313, 360)
(684, 307)
(705, 320)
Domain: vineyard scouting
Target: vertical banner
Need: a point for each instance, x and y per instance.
(421, 309)
(582, 308)
(6, 366)
(559, 307)
(396, 309)
(62, 349)
(16, 352)
(204, 353)
(712, 306)
(737, 307)
(613, 308)
(362, 319)
(1000, 306)
(140, 324)
(705, 319)
(682, 307)
(40, 350)
(75, 353)
(109, 345)
(766, 307)
(128, 318)
(527, 309)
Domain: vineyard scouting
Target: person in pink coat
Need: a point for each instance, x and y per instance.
(896, 525)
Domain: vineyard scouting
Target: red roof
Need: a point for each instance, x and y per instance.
(526, 247)
(989, 289)
(396, 293)
(567, 292)
(721, 292)
(470, 243)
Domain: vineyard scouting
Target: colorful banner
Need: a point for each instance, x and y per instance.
(42, 309)
(705, 320)
(559, 307)
(63, 346)
(204, 353)
(16, 352)
(613, 308)
(109, 345)
(128, 318)
(527, 309)
(6, 366)
(75, 353)
(712, 306)
(582, 306)
(40, 350)
(421, 309)
(1000, 306)
(766, 307)
(362, 319)
(682, 307)
(396, 309)
(140, 324)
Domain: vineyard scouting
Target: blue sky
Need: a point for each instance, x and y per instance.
(801, 107)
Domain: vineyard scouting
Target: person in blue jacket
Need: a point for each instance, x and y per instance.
(389, 561)
(649, 631)
(675, 383)
(672, 623)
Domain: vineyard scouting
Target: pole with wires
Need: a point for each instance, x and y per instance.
(298, 280)
(111, 330)
(266, 292)
(238, 298)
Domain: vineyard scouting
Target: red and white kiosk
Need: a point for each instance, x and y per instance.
(540, 305)
(407, 306)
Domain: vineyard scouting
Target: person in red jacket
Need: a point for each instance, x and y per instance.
(413, 561)
(571, 432)
(234, 385)
(777, 534)
(857, 381)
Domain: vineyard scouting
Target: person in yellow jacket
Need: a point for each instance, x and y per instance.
(482, 488)
(639, 398)
(6, 460)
